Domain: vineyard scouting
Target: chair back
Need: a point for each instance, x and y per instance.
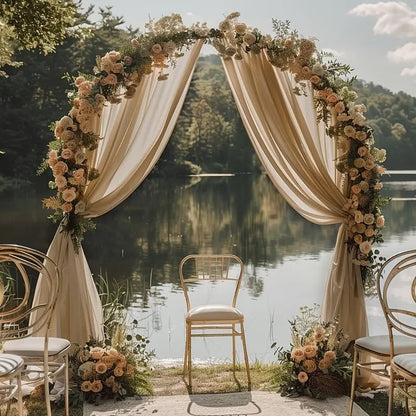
(396, 288)
(196, 268)
(20, 270)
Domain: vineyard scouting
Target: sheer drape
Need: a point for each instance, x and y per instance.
(300, 160)
(135, 133)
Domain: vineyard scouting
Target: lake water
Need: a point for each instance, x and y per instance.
(143, 240)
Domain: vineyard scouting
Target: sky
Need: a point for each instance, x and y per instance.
(376, 38)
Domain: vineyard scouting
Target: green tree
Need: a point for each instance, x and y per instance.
(34, 25)
(34, 95)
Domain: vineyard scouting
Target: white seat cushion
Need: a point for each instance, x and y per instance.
(34, 346)
(214, 313)
(381, 344)
(407, 362)
(9, 363)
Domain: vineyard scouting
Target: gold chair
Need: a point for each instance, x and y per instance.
(23, 328)
(210, 320)
(396, 286)
(378, 350)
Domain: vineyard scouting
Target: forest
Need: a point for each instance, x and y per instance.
(209, 135)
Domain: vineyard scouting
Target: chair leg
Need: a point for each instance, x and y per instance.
(189, 356)
(19, 394)
(67, 385)
(233, 329)
(354, 375)
(391, 390)
(243, 340)
(46, 388)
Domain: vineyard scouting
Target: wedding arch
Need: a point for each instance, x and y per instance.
(300, 115)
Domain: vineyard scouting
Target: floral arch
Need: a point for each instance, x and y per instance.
(299, 113)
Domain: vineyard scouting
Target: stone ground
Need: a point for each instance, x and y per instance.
(225, 404)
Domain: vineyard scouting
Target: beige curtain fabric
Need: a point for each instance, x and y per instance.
(300, 160)
(135, 133)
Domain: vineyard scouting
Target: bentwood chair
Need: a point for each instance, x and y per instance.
(377, 351)
(396, 288)
(24, 329)
(212, 319)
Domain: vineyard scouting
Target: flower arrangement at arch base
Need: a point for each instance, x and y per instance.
(317, 364)
(102, 371)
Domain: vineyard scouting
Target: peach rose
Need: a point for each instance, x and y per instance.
(303, 377)
(66, 207)
(329, 355)
(297, 355)
(358, 238)
(310, 350)
(96, 353)
(324, 363)
(67, 154)
(69, 195)
(60, 168)
(118, 371)
(339, 107)
(86, 386)
(380, 221)
(60, 181)
(100, 367)
(309, 366)
(369, 232)
(96, 386)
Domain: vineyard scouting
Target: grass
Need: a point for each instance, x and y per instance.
(216, 379)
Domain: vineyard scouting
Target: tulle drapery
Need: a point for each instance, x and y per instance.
(134, 134)
(299, 158)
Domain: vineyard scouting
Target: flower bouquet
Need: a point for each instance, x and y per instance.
(317, 364)
(103, 372)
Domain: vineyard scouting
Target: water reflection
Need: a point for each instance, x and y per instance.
(164, 221)
(142, 241)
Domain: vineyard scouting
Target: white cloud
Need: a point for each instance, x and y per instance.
(393, 17)
(408, 72)
(404, 54)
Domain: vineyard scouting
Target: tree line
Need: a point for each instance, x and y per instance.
(209, 135)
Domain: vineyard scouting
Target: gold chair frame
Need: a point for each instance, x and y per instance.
(23, 327)
(399, 321)
(213, 320)
(379, 350)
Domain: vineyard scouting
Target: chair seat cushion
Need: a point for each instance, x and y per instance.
(34, 346)
(407, 362)
(9, 363)
(381, 344)
(214, 313)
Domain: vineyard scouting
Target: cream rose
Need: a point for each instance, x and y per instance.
(368, 219)
(365, 247)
